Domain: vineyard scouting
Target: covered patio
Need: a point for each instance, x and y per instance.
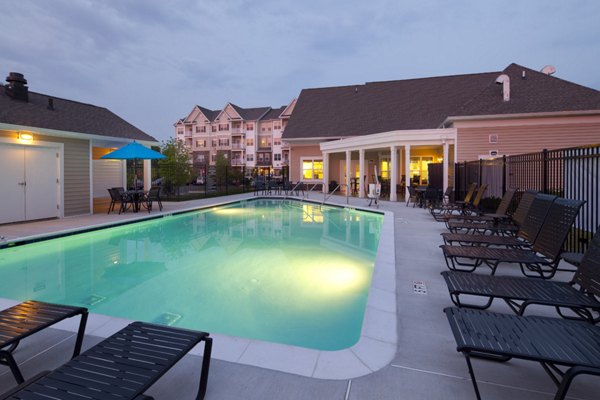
(393, 155)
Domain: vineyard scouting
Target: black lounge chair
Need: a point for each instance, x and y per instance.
(525, 236)
(458, 206)
(122, 366)
(543, 257)
(29, 317)
(555, 343)
(579, 295)
(500, 213)
(510, 227)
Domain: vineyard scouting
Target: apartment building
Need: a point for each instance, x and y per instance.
(249, 137)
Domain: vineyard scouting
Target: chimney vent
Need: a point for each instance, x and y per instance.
(50, 103)
(549, 69)
(504, 80)
(17, 86)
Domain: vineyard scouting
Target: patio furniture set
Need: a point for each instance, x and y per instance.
(123, 366)
(134, 199)
(531, 238)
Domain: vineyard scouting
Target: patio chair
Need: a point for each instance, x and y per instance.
(555, 343)
(509, 226)
(118, 195)
(25, 319)
(457, 206)
(543, 257)
(578, 295)
(525, 236)
(412, 196)
(122, 366)
(500, 213)
(153, 196)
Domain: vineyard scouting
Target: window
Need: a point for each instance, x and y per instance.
(213, 158)
(277, 126)
(223, 127)
(265, 142)
(200, 157)
(249, 157)
(276, 141)
(202, 129)
(250, 142)
(223, 142)
(277, 157)
(214, 143)
(249, 127)
(312, 169)
(200, 143)
(180, 131)
(213, 128)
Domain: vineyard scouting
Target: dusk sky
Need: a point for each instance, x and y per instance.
(151, 61)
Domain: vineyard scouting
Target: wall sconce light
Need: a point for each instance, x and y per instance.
(25, 136)
(440, 159)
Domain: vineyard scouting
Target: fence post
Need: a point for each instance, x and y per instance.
(545, 171)
(503, 174)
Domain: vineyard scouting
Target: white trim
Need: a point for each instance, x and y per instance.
(416, 137)
(91, 185)
(451, 119)
(72, 135)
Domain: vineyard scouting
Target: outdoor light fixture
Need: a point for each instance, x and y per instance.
(25, 136)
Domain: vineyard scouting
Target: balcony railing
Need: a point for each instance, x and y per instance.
(237, 131)
(237, 162)
(237, 146)
(263, 163)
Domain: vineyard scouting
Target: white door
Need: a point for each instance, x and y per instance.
(12, 182)
(42, 188)
(29, 183)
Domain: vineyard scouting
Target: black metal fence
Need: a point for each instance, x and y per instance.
(184, 181)
(573, 173)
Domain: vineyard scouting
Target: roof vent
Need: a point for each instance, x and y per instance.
(549, 70)
(17, 86)
(50, 103)
(356, 89)
(504, 80)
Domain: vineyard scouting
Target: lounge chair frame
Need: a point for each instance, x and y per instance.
(555, 343)
(122, 366)
(500, 213)
(29, 317)
(541, 261)
(525, 236)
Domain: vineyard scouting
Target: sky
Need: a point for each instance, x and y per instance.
(152, 61)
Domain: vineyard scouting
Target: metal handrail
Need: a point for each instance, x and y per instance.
(327, 196)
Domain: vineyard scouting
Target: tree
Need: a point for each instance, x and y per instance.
(175, 169)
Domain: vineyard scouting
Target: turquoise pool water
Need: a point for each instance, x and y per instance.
(274, 270)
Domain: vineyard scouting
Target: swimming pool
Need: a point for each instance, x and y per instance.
(274, 270)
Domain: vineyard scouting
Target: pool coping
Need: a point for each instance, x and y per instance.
(374, 350)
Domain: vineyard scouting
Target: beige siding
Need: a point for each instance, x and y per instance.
(296, 153)
(525, 136)
(77, 176)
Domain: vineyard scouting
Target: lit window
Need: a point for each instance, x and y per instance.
(250, 142)
(312, 169)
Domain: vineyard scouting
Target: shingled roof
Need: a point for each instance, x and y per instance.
(425, 103)
(210, 114)
(66, 115)
(274, 113)
(251, 114)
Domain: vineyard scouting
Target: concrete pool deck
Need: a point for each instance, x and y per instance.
(422, 364)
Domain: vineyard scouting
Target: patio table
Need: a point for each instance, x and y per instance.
(137, 196)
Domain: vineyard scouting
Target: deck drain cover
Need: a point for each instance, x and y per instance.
(419, 287)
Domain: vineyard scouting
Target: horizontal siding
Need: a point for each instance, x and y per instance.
(77, 177)
(512, 140)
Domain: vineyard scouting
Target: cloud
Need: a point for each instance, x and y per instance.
(151, 61)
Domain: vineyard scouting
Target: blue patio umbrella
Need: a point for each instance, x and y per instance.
(134, 151)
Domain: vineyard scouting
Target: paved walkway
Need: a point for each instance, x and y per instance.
(426, 364)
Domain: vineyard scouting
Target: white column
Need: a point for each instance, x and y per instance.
(147, 175)
(348, 155)
(407, 168)
(361, 171)
(325, 172)
(445, 167)
(394, 173)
